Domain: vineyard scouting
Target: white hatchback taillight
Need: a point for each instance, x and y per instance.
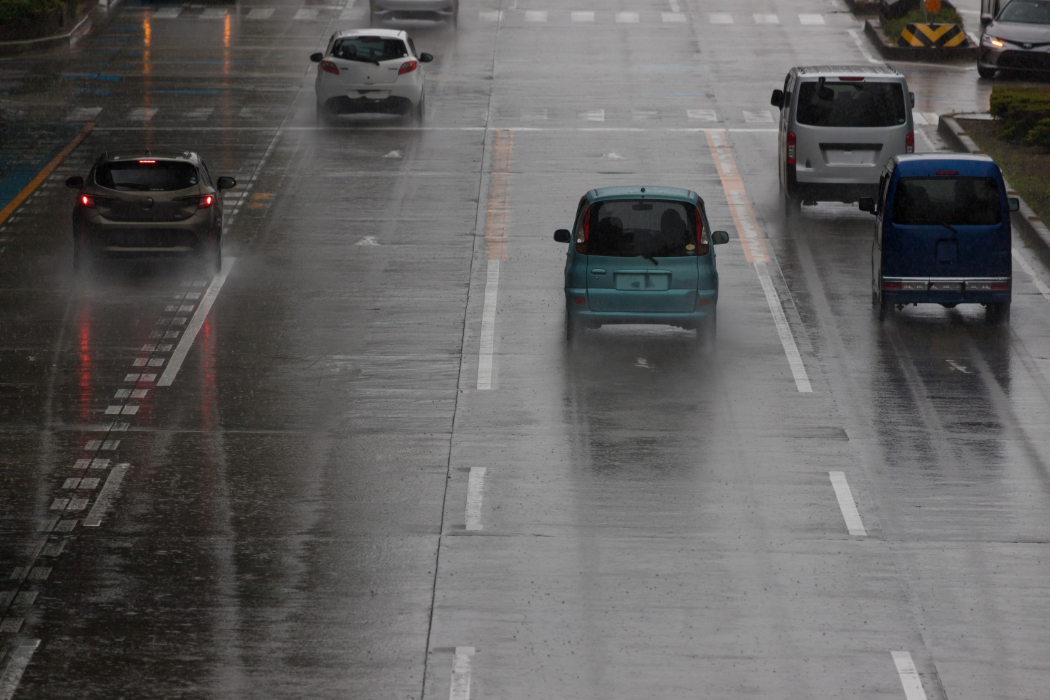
(407, 67)
(329, 67)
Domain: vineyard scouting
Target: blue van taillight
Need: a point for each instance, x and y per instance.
(892, 285)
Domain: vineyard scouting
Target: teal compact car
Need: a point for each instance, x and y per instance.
(641, 255)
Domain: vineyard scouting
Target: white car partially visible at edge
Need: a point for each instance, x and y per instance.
(371, 70)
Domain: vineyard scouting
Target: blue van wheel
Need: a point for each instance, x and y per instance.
(885, 308)
(997, 313)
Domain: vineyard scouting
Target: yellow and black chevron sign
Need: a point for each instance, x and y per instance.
(932, 36)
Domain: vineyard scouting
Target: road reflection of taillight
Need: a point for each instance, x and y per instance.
(909, 142)
(790, 148)
(329, 67)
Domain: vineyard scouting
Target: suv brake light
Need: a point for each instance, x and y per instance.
(407, 67)
(329, 67)
(909, 142)
(790, 148)
(584, 234)
(702, 243)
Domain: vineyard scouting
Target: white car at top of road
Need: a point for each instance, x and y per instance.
(371, 70)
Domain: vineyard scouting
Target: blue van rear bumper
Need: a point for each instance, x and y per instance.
(946, 290)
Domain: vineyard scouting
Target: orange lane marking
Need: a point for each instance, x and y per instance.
(743, 216)
(499, 196)
(42, 175)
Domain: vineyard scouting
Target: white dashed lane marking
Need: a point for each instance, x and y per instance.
(16, 666)
(195, 324)
(106, 496)
(847, 505)
(475, 493)
(460, 688)
(909, 676)
(488, 326)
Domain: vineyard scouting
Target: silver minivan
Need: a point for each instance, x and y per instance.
(839, 126)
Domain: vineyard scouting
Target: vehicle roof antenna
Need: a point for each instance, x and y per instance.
(148, 152)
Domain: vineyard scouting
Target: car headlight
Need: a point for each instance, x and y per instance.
(990, 40)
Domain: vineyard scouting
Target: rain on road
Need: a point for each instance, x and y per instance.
(361, 461)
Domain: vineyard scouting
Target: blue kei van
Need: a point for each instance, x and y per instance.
(641, 255)
(942, 234)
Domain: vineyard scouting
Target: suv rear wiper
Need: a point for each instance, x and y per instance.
(653, 259)
(937, 223)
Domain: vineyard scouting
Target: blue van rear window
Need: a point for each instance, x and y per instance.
(956, 201)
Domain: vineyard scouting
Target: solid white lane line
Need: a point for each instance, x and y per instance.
(909, 676)
(106, 495)
(488, 327)
(475, 491)
(183, 348)
(863, 49)
(1030, 271)
(847, 505)
(461, 674)
(784, 330)
(16, 666)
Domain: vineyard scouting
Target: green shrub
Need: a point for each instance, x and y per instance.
(1020, 112)
(946, 15)
(16, 11)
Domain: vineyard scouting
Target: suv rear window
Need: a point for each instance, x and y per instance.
(146, 175)
(956, 201)
(642, 227)
(369, 48)
(860, 103)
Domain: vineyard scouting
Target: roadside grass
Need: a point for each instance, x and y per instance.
(946, 15)
(1026, 168)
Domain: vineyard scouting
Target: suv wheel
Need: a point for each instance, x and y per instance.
(985, 72)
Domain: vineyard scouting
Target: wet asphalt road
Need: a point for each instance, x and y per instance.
(342, 492)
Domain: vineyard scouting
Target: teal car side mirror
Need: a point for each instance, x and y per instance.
(562, 235)
(719, 237)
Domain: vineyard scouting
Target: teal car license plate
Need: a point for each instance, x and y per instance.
(643, 281)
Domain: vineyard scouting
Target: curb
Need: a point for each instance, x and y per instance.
(873, 30)
(97, 18)
(1033, 231)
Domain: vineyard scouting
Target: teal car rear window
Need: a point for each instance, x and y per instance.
(643, 228)
(955, 201)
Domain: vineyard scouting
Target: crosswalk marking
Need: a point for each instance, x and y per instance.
(591, 115)
(167, 13)
(925, 118)
(719, 18)
(704, 115)
(766, 19)
(307, 14)
(582, 16)
(143, 114)
(260, 13)
(351, 13)
(811, 19)
(536, 16)
(627, 17)
(645, 114)
(201, 113)
(213, 13)
(81, 114)
(760, 117)
(672, 17)
(490, 15)
(533, 115)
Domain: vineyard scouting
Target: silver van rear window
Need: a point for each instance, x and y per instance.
(850, 104)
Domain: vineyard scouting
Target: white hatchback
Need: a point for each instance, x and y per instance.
(371, 70)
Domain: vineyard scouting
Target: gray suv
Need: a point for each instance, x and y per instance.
(148, 204)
